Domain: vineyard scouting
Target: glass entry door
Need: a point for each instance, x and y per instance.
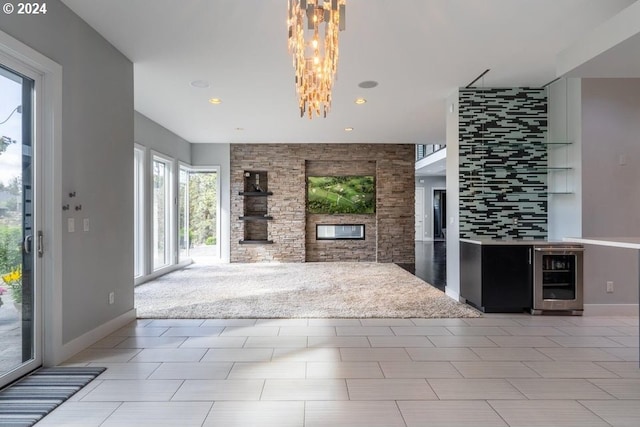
(19, 240)
(198, 215)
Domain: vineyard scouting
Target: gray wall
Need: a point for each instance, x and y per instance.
(97, 146)
(453, 196)
(429, 183)
(153, 136)
(611, 185)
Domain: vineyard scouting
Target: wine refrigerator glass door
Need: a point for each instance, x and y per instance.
(558, 279)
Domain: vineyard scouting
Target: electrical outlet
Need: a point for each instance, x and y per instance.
(609, 287)
(112, 297)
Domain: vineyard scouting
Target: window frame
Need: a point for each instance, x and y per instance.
(170, 212)
(216, 170)
(140, 268)
(186, 168)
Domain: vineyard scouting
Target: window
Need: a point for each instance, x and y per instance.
(183, 214)
(176, 214)
(161, 206)
(138, 213)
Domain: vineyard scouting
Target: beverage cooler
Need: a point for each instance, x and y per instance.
(557, 280)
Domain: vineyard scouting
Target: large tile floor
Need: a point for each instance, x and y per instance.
(499, 370)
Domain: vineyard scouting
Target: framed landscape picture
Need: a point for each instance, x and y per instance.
(341, 194)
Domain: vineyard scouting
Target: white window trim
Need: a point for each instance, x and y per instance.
(140, 205)
(216, 169)
(171, 231)
(182, 166)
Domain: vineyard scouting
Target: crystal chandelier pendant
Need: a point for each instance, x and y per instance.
(315, 56)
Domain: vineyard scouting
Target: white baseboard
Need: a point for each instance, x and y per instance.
(452, 294)
(87, 339)
(161, 272)
(610, 310)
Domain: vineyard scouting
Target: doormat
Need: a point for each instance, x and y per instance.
(25, 402)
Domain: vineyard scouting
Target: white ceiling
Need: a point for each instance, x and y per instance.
(418, 50)
(620, 61)
(612, 50)
(434, 164)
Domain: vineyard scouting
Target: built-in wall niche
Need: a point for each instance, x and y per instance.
(339, 231)
(255, 182)
(256, 208)
(560, 146)
(341, 205)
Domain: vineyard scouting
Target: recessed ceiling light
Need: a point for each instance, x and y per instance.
(360, 101)
(200, 84)
(368, 84)
(239, 129)
(215, 101)
(348, 129)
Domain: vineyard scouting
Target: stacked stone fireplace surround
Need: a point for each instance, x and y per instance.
(389, 232)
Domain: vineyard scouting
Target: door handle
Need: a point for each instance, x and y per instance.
(566, 250)
(40, 244)
(26, 244)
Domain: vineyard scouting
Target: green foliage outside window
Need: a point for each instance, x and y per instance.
(10, 254)
(202, 208)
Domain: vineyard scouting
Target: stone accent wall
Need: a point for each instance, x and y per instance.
(395, 209)
(342, 167)
(503, 163)
(286, 165)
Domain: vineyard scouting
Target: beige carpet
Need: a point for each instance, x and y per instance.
(300, 290)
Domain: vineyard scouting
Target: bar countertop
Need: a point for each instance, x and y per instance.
(517, 242)
(618, 242)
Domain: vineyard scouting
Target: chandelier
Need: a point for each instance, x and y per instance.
(315, 58)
